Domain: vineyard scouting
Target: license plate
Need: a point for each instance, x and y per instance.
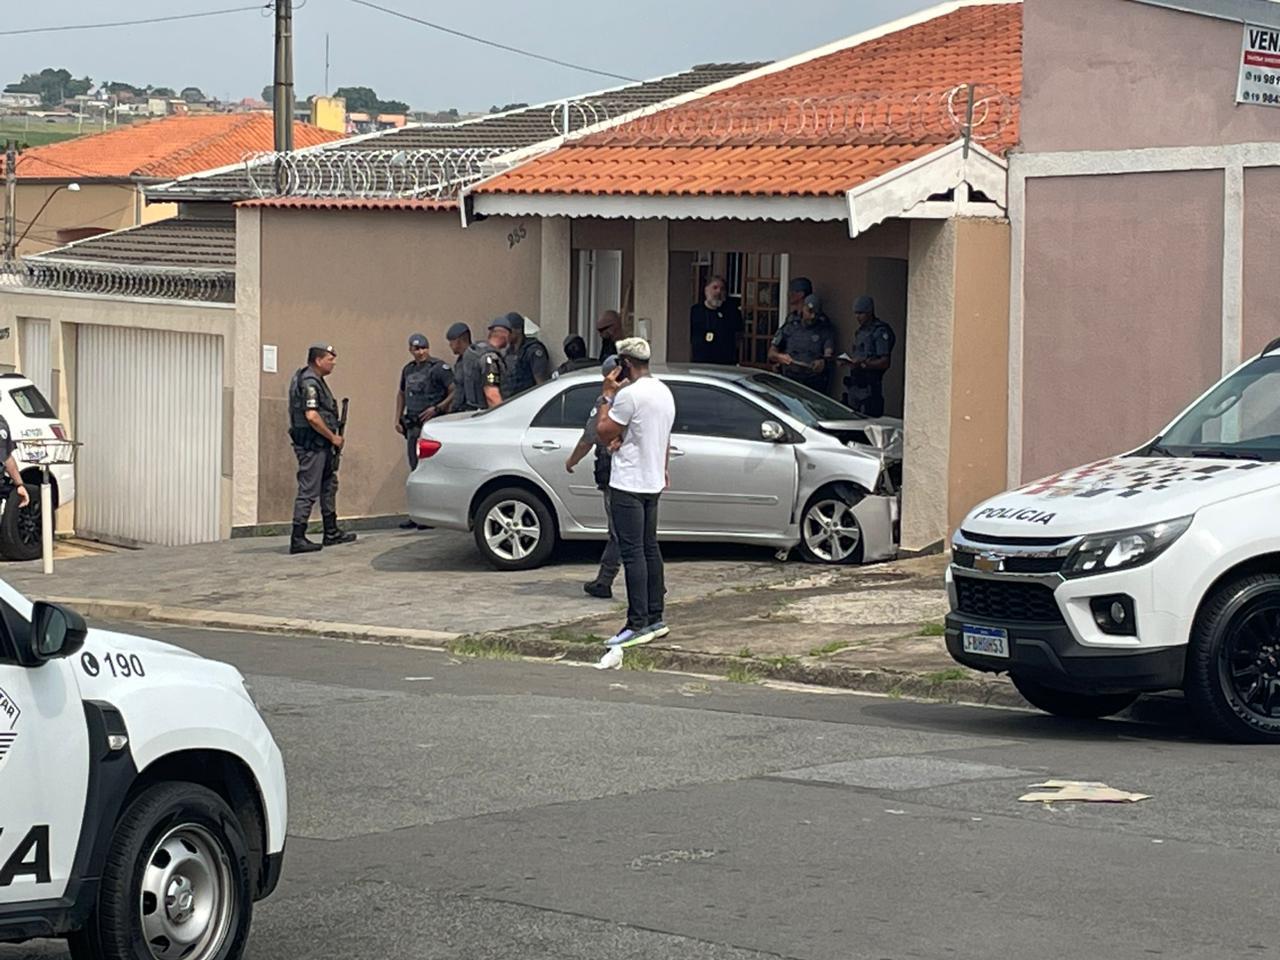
(988, 641)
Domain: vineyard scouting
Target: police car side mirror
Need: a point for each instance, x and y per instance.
(772, 431)
(55, 631)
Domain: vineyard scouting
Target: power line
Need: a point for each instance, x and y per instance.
(494, 43)
(132, 23)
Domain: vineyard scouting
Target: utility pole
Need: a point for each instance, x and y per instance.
(326, 68)
(283, 89)
(10, 198)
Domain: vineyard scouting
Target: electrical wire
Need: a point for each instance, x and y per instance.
(493, 43)
(133, 23)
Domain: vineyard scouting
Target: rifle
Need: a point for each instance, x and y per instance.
(342, 432)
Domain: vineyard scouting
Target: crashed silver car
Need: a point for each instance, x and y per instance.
(755, 459)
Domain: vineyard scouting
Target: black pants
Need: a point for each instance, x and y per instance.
(316, 480)
(868, 400)
(635, 521)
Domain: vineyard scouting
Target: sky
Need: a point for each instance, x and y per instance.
(231, 56)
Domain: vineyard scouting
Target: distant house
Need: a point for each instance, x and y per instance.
(23, 100)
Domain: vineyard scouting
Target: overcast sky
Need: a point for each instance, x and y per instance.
(231, 56)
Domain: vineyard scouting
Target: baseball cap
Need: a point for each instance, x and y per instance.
(637, 348)
(610, 364)
(864, 304)
(503, 322)
(319, 350)
(800, 285)
(456, 331)
(418, 340)
(813, 302)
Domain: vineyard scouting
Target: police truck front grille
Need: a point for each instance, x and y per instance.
(1006, 600)
(1013, 564)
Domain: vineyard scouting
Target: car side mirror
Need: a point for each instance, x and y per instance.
(772, 431)
(55, 631)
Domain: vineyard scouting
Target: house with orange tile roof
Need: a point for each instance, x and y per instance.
(94, 184)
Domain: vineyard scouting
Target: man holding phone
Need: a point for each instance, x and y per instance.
(638, 409)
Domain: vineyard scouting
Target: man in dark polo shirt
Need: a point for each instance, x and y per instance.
(714, 326)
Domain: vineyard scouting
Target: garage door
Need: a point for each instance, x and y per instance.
(149, 413)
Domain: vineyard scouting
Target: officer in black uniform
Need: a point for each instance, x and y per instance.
(8, 447)
(873, 343)
(575, 356)
(459, 337)
(313, 428)
(715, 326)
(804, 346)
(426, 388)
(529, 363)
(484, 368)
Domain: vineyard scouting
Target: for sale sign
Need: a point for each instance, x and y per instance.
(1260, 66)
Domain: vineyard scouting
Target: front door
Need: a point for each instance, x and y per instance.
(725, 479)
(551, 437)
(44, 770)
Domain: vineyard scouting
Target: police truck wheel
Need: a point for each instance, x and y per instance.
(1065, 703)
(1233, 663)
(20, 532)
(829, 532)
(176, 882)
(514, 529)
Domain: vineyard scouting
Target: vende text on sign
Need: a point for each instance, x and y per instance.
(1260, 67)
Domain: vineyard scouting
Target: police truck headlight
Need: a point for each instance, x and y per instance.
(1122, 549)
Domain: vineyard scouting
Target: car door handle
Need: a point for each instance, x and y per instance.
(546, 445)
(676, 452)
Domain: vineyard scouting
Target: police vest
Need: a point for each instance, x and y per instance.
(473, 385)
(421, 386)
(520, 375)
(300, 431)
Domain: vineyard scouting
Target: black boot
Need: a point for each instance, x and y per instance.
(299, 543)
(332, 535)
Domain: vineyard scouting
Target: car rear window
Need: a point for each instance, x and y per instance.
(31, 402)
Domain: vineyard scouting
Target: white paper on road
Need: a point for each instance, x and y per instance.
(1082, 791)
(612, 660)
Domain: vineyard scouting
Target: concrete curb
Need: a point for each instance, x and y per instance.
(806, 670)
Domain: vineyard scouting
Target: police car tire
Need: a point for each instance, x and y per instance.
(11, 545)
(1067, 703)
(1216, 707)
(114, 930)
(541, 553)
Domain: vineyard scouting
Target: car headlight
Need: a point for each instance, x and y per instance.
(1122, 549)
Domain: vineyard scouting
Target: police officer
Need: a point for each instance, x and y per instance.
(529, 364)
(802, 348)
(484, 368)
(715, 325)
(8, 448)
(313, 428)
(575, 356)
(426, 386)
(873, 343)
(459, 337)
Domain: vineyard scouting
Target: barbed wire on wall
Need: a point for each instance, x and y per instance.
(120, 280)
(432, 174)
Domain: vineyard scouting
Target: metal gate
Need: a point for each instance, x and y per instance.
(35, 362)
(149, 413)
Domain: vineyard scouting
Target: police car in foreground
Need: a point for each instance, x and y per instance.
(142, 798)
(1155, 570)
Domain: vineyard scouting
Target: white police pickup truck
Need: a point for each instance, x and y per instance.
(142, 798)
(1155, 570)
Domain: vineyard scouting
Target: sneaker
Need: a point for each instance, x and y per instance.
(659, 630)
(638, 637)
(594, 588)
(623, 638)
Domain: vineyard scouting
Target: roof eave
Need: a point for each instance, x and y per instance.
(659, 206)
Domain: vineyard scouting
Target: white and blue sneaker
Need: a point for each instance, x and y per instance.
(622, 638)
(658, 630)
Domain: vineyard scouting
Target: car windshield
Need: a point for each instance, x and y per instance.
(1239, 418)
(807, 406)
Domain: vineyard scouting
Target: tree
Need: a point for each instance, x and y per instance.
(365, 100)
(165, 92)
(54, 86)
(269, 93)
(509, 106)
(193, 95)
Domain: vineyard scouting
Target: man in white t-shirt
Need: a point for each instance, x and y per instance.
(638, 409)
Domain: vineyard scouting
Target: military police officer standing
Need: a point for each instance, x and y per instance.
(804, 345)
(313, 428)
(482, 368)
(529, 362)
(873, 343)
(426, 388)
(459, 337)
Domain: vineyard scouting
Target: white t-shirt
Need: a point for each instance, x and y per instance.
(647, 409)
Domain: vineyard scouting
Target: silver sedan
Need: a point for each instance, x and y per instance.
(755, 459)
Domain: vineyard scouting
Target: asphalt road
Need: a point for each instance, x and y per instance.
(446, 808)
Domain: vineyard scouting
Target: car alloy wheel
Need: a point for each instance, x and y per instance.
(831, 532)
(512, 530)
(187, 902)
(1249, 665)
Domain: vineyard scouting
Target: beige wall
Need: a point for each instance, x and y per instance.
(109, 206)
(1111, 74)
(980, 353)
(1122, 310)
(1261, 312)
(366, 280)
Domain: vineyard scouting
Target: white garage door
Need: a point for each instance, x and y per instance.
(149, 413)
(35, 362)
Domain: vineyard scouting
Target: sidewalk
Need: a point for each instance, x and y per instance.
(733, 611)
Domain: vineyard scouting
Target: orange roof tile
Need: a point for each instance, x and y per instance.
(349, 203)
(161, 149)
(816, 128)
